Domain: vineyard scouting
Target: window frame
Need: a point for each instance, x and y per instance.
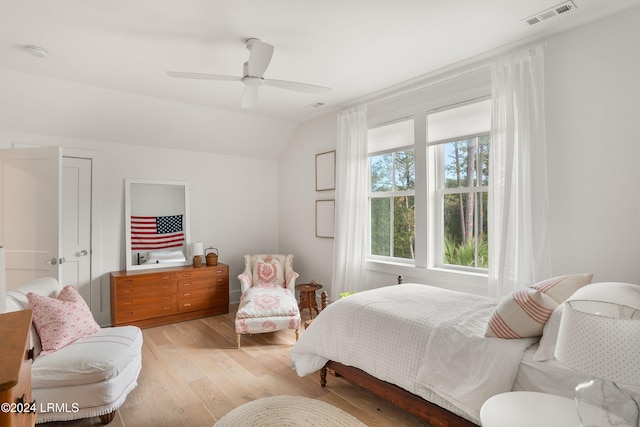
(439, 190)
(387, 195)
(463, 89)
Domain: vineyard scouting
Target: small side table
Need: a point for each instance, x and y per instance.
(308, 296)
(529, 409)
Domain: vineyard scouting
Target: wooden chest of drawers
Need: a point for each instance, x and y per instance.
(19, 409)
(160, 296)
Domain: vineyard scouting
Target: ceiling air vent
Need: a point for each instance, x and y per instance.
(550, 13)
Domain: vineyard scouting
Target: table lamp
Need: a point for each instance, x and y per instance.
(197, 249)
(602, 339)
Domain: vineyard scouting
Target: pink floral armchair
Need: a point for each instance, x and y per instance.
(268, 302)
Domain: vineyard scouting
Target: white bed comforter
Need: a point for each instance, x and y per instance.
(427, 340)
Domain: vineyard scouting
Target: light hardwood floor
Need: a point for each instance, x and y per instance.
(193, 374)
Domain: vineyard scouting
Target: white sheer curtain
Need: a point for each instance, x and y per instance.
(518, 201)
(351, 202)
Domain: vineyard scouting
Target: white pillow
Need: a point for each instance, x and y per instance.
(562, 287)
(614, 292)
(160, 257)
(267, 270)
(521, 314)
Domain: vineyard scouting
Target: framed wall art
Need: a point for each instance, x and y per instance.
(326, 171)
(325, 218)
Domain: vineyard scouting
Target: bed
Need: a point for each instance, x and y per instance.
(434, 360)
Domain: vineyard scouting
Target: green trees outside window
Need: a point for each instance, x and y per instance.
(392, 204)
(464, 192)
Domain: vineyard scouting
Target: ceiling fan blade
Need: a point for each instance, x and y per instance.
(182, 75)
(249, 97)
(300, 87)
(259, 57)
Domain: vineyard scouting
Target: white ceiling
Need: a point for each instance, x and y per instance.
(357, 47)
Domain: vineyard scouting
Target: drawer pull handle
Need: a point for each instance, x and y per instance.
(127, 291)
(166, 308)
(187, 294)
(188, 304)
(31, 353)
(188, 284)
(166, 297)
(166, 286)
(166, 277)
(127, 302)
(218, 271)
(128, 313)
(186, 275)
(220, 280)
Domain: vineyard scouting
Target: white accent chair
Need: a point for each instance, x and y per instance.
(89, 377)
(268, 302)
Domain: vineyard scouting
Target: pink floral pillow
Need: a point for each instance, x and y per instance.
(267, 270)
(62, 320)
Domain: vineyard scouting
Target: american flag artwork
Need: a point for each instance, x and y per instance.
(156, 232)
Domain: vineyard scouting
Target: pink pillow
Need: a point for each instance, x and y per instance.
(268, 270)
(61, 320)
(520, 314)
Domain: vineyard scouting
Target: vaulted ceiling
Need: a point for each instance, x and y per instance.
(107, 61)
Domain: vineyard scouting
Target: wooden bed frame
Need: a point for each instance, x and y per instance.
(435, 415)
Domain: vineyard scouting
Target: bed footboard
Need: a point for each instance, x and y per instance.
(430, 412)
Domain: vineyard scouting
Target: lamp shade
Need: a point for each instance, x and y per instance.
(197, 248)
(601, 339)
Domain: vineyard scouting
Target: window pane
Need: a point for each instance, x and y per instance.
(405, 169)
(404, 227)
(381, 172)
(465, 229)
(483, 156)
(466, 162)
(381, 226)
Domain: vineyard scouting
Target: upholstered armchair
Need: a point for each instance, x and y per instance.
(268, 302)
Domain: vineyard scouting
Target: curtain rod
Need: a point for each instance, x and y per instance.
(451, 72)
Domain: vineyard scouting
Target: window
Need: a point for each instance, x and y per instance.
(448, 161)
(392, 190)
(462, 195)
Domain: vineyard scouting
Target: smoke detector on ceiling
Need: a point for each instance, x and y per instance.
(550, 13)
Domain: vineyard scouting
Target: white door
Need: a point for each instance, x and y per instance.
(30, 199)
(75, 236)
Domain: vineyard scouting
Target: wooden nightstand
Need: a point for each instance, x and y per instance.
(308, 296)
(529, 409)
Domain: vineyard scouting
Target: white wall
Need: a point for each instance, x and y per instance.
(592, 95)
(592, 98)
(234, 200)
(313, 255)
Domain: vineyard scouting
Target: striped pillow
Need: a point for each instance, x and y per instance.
(562, 287)
(521, 314)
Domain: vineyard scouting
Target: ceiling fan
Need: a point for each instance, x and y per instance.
(260, 54)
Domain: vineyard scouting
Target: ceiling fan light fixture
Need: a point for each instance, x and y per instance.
(37, 51)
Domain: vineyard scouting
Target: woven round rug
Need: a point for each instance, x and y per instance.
(284, 411)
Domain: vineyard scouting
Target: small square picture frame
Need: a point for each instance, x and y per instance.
(326, 171)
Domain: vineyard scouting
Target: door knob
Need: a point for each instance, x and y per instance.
(52, 261)
(83, 252)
